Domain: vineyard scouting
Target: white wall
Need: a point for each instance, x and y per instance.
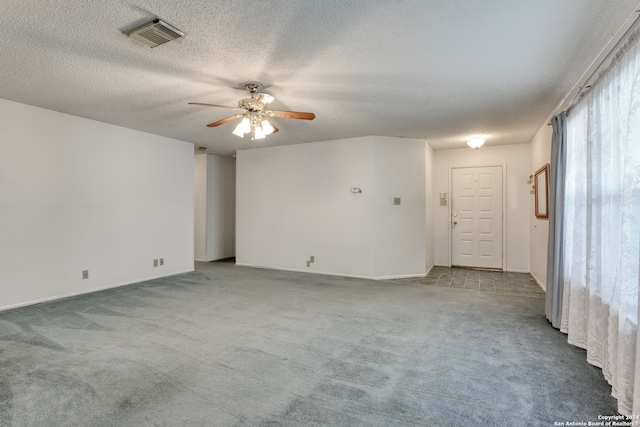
(518, 205)
(200, 207)
(540, 155)
(400, 230)
(214, 207)
(77, 195)
(429, 200)
(295, 201)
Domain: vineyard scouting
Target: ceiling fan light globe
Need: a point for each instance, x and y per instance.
(243, 127)
(238, 132)
(258, 133)
(265, 98)
(266, 127)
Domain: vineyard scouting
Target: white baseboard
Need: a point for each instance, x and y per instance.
(89, 291)
(328, 273)
(401, 276)
(218, 258)
(355, 276)
(543, 287)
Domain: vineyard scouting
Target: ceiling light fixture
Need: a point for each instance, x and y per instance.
(254, 124)
(476, 141)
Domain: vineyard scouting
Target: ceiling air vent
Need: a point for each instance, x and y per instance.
(154, 33)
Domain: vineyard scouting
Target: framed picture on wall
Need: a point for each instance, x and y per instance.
(541, 188)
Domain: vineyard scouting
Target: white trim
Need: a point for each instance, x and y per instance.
(90, 291)
(401, 276)
(504, 207)
(326, 273)
(449, 233)
(543, 287)
(355, 276)
(213, 259)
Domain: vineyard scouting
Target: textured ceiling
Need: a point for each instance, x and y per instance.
(438, 70)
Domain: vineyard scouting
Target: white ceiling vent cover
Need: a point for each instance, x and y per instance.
(154, 33)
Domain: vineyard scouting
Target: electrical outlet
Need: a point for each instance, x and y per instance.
(155, 262)
(312, 259)
(161, 261)
(85, 274)
(396, 201)
(308, 263)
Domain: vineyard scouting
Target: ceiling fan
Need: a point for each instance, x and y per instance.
(254, 113)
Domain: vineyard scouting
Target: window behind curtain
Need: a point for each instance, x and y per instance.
(602, 226)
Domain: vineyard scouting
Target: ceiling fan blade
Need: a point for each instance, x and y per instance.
(223, 121)
(213, 105)
(292, 114)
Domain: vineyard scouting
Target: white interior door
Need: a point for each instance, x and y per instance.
(476, 217)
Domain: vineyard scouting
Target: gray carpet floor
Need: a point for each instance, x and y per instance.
(236, 346)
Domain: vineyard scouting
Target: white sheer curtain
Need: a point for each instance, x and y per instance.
(602, 227)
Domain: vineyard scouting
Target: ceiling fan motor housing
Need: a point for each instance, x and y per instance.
(252, 87)
(251, 104)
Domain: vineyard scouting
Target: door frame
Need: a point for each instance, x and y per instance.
(504, 207)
